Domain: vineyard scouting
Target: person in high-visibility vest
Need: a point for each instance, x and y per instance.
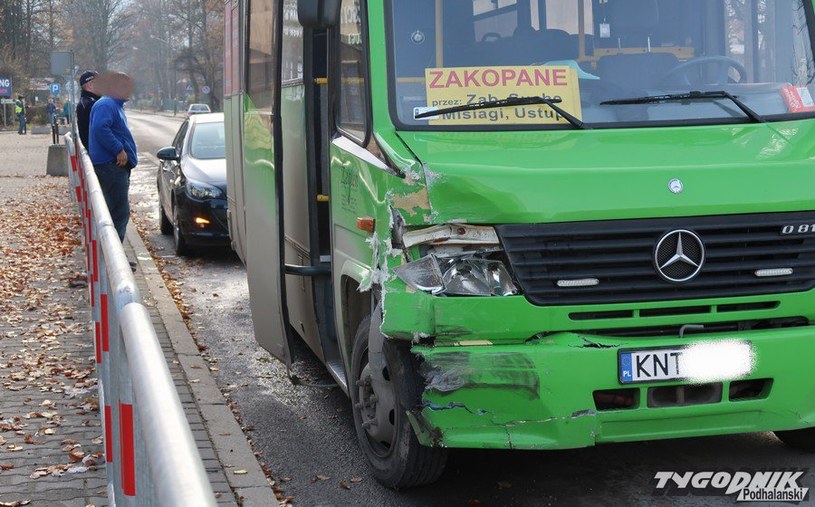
(19, 109)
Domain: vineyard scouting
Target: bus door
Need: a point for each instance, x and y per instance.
(233, 118)
(262, 167)
(305, 130)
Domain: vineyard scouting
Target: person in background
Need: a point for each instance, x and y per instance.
(66, 112)
(51, 111)
(112, 147)
(86, 100)
(19, 109)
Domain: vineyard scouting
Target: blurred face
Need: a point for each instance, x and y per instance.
(117, 85)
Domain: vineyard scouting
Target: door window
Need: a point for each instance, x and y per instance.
(178, 142)
(262, 56)
(353, 107)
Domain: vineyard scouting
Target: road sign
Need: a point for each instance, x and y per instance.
(5, 87)
(189, 87)
(6, 101)
(54, 88)
(206, 89)
(62, 62)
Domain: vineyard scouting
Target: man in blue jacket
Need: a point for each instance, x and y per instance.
(111, 146)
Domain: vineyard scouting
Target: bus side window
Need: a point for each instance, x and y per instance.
(353, 108)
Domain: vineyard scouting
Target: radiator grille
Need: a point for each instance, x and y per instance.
(619, 255)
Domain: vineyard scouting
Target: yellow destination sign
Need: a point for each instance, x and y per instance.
(459, 86)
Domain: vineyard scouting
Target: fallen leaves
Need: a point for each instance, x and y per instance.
(76, 455)
(45, 354)
(29, 439)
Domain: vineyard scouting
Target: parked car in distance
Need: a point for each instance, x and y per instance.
(191, 183)
(198, 109)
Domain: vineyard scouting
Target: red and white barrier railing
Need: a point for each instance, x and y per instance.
(150, 453)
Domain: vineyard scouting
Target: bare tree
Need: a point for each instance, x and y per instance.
(101, 29)
(200, 23)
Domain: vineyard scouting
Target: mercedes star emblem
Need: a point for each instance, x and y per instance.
(676, 186)
(679, 256)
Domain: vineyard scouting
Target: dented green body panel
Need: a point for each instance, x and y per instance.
(538, 395)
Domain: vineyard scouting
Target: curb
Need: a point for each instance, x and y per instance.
(226, 435)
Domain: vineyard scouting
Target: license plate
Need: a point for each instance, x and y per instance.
(702, 362)
(650, 365)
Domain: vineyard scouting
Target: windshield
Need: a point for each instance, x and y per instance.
(208, 141)
(582, 53)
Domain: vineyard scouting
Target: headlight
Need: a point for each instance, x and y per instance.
(202, 191)
(466, 275)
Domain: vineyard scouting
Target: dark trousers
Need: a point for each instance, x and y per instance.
(115, 183)
(21, 120)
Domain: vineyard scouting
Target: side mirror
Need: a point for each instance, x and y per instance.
(318, 14)
(168, 153)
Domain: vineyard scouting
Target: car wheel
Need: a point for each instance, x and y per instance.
(179, 241)
(380, 400)
(165, 225)
(798, 439)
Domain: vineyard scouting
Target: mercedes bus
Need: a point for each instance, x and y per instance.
(531, 224)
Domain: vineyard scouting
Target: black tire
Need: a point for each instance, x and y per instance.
(165, 225)
(403, 462)
(798, 439)
(179, 241)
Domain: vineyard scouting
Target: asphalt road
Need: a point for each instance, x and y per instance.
(303, 432)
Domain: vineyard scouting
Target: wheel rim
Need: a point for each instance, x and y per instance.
(376, 408)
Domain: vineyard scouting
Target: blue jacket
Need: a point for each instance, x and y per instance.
(108, 133)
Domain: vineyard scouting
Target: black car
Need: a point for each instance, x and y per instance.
(192, 184)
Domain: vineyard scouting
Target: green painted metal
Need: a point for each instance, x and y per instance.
(539, 395)
(529, 177)
(536, 393)
(529, 384)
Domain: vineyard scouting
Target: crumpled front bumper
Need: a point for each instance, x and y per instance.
(539, 394)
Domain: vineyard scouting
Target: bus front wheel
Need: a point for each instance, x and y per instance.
(382, 389)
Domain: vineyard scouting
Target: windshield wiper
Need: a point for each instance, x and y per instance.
(695, 95)
(508, 102)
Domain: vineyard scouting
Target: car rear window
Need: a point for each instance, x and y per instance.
(208, 141)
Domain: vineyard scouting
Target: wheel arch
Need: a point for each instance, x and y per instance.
(355, 305)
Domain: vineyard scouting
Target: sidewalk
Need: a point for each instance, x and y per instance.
(50, 435)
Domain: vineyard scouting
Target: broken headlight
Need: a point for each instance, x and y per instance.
(459, 260)
(468, 275)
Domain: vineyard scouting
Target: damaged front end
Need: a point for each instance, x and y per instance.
(496, 371)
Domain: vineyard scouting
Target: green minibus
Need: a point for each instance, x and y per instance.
(531, 224)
